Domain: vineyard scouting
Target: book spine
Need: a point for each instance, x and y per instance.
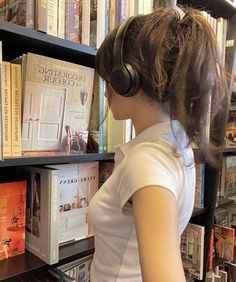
(41, 15)
(16, 109)
(30, 14)
(61, 19)
(101, 9)
(93, 23)
(6, 108)
(53, 245)
(102, 118)
(1, 125)
(52, 17)
(3, 11)
(85, 36)
(72, 20)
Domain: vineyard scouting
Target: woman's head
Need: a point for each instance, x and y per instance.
(178, 62)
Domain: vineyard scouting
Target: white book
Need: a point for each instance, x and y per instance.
(101, 23)
(85, 36)
(61, 23)
(52, 17)
(42, 212)
(77, 183)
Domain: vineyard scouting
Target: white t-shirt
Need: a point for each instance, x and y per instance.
(154, 157)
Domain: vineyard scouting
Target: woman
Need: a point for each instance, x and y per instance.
(173, 72)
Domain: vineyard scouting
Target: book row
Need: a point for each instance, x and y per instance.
(78, 21)
(46, 207)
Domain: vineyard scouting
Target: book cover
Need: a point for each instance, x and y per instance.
(6, 109)
(52, 17)
(72, 20)
(61, 9)
(41, 15)
(85, 22)
(77, 184)
(192, 248)
(200, 186)
(21, 12)
(224, 237)
(42, 215)
(12, 218)
(67, 89)
(228, 182)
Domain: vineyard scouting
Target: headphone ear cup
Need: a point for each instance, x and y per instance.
(135, 81)
(120, 80)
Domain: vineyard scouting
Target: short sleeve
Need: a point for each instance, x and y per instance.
(148, 165)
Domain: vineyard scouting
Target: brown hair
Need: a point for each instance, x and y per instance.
(179, 63)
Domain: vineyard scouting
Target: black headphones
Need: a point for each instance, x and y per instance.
(125, 80)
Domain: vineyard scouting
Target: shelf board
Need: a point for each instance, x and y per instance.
(18, 265)
(18, 40)
(22, 265)
(229, 150)
(41, 160)
(223, 8)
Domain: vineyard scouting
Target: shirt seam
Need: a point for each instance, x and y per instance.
(125, 248)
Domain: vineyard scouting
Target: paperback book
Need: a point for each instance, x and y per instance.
(56, 106)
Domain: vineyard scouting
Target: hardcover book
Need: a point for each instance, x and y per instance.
(228, 176)
(231, 126)
(57, 105)
(12, 218)
(192, 248)
(42, 212)
(72, 8)
(77, 184)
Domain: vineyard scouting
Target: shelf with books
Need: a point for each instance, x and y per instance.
(228, 151)
(40, 160)
(223, 8)
(28, 40)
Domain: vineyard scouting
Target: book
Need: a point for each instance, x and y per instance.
(21, 12)
(61, 25)
(67, 89)
(230, 141)
(192, 248)
(77, 183)
(228, 176)
(105, 171)
(224, 246)
(12, 218)
(42, 212)
(78, 269)
(16, 112)
(93, 23)
(72, 20)
(6, 109)
(200, 186)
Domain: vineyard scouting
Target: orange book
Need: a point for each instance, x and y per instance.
(12, 218)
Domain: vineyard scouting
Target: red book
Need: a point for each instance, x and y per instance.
(12, 218)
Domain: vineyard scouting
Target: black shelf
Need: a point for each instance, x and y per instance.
(40, 160)
(198, 211)
(22, 265)
(217, 8)
(19, 265)
(17, 40)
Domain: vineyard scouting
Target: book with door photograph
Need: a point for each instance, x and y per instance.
(56, 106)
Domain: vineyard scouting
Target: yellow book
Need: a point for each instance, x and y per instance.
(6, 108)
(16, 95)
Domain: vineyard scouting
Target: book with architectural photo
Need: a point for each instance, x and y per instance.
(42, 215)
(224, 238)
(192, 249)
(56, 107)
(12, 218)
(230, 141)
(77, 184)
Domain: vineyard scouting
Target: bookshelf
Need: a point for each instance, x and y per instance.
(18, 40)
